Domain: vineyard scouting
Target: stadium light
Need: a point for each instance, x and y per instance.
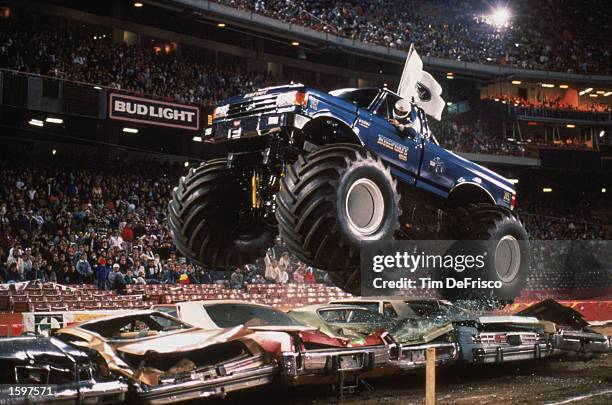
(197, 139)
(548, 85)
(186, 164)
(607, 94)
(97, 88)
(35, 122)
(130, 130)
(571, 126)
(593, 95)
(449, 103)
(500, 17)
(295, 43)
(138, 4)
(563, 86)
(52, 120)
(547, 190)
(221, 25)
(603, 190)
(590, 89)
(54, 152)
(517, 82)
(602, 133)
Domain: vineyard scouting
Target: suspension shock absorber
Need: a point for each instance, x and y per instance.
(255, 203)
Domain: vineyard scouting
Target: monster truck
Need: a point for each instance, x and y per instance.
(327, 171)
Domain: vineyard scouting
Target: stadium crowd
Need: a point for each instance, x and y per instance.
(82, 219)
(547, 35)
(49, 46)
(77, 219)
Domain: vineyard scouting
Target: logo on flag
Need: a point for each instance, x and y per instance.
(420, 86)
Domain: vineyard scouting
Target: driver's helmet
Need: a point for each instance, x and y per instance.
(402, 109)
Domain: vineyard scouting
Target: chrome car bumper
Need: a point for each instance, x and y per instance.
(200, 389)
(581, 342)
(85, 392)
(414, 356)
(334, 361)
(505, 353)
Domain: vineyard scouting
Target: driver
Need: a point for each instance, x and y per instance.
(407, 118)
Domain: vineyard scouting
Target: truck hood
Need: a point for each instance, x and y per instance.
(484, 174)
(264, 92)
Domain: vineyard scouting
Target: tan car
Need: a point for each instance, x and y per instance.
(167, 360)
(307, 355)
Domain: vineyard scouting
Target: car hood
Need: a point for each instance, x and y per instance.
(272, 328)
(507, 319)
(184, 341)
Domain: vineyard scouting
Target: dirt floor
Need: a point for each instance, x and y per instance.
(555, 380)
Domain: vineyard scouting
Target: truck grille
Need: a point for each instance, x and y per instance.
(252, 106)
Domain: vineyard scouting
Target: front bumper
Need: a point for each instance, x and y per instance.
(505, 353)
(319, 366)
(581, 342)
(414, 356)
(200, 389)
(85, 392)
(255, 125)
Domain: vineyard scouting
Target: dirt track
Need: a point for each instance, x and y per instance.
(558, 380)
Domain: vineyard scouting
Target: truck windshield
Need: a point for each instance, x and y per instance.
(362, 97)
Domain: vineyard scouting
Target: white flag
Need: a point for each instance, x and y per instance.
(421, 86)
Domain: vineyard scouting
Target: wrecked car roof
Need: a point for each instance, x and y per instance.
(552, 311)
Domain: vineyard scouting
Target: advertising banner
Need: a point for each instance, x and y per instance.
(153, 112)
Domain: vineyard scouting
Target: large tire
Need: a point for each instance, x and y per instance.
(332, 199)
(204, 218)
(498, 232)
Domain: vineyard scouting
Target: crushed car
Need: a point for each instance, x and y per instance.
(410, 341)
(306, 355)
(167, 360)
(567, 328)
(481, 339)
(79, 375)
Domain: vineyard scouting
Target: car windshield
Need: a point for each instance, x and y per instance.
(362, 97)
(135, 326)
(439, 311)
(230, 315)
(370, 306)
(352, 315)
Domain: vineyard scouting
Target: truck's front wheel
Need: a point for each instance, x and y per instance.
(332, 199)
(204, 217)
(496, 232)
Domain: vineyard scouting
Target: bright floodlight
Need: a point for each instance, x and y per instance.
(500, 16)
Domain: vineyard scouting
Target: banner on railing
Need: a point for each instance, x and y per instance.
(153, 112)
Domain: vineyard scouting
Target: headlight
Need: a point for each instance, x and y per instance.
(296, 98)
(220, 111)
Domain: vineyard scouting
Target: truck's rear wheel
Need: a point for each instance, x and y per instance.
(497, 232)
(205, 221)
(332, 199)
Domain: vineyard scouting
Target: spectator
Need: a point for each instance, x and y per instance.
(237, 279)
(116, 280)
(102, 272)
(84, 270)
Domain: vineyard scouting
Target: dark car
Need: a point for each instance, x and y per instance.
(77, 375)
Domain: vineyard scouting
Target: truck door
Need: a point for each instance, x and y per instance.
(402, 153)
(436, 174)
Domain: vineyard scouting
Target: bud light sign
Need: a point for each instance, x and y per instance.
(153, 112)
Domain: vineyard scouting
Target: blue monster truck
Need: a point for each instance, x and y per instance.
(327, 171)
